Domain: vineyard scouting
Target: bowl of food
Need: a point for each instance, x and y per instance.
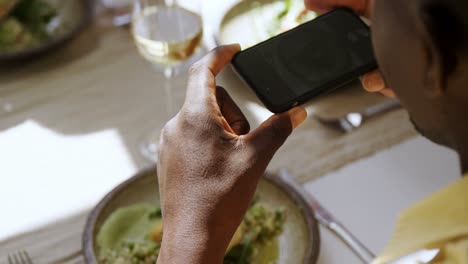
(33, 27)
(126, 226)
(250, 22)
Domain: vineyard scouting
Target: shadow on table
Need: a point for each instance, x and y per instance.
(100, 82)
(96, 82)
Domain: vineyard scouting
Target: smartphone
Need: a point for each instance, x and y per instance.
(311, 59)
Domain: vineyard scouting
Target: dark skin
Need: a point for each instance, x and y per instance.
(215, 161)
(435, 101)
(214, 164)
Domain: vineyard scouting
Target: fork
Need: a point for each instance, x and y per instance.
(354, 120)
(326, 219)
(20, 257)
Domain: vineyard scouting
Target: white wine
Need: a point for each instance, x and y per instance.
(167, 35)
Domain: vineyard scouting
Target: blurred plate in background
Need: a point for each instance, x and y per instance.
(250, 22)
(71, 17)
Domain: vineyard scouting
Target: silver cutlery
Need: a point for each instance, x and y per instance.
(326, 219)
(354, 120)
(20, 257)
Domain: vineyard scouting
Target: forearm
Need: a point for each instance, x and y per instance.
(194, 248)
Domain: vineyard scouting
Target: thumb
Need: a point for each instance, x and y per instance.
(272, 133)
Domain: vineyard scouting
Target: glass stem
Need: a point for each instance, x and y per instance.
(168, 74)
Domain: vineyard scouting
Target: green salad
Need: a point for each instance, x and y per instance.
(25, 23)
(292, 14)
(133, 235)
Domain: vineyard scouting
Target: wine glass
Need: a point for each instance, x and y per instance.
(167, 33)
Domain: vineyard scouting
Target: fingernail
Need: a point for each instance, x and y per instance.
(372, 82)
(364, 82)
(298, 115)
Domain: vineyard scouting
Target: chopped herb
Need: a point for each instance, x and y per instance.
(285, 11)
(260, 226)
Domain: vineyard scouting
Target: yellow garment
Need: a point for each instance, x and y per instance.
(438, 222)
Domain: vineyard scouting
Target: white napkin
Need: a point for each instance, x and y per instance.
(368, 195)
(46, 176)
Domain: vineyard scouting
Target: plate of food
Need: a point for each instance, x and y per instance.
(126, 226)
(249, 22)
(32, 27)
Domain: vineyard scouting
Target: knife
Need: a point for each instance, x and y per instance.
(326, 219)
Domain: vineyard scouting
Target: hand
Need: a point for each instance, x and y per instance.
(372, 81)
(209, 165)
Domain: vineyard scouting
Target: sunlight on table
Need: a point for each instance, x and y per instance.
(46, 176)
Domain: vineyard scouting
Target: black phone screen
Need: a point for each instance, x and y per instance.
(307, 60)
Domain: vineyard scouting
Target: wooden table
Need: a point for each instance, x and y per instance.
(99, 81)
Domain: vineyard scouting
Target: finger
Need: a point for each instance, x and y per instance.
(219, 57)
(272, 133)
(231, 112)
(201, 84)
(388, 92)
(373, 81)
(319, 5)
(362, 7)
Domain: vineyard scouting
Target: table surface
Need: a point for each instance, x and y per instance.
(369, 209)
(99, 86)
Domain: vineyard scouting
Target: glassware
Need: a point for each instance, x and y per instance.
(167, 33)
(120, 10)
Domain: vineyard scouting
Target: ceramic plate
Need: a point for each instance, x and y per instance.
(298, 244)
(250, 22)
(73, 15)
